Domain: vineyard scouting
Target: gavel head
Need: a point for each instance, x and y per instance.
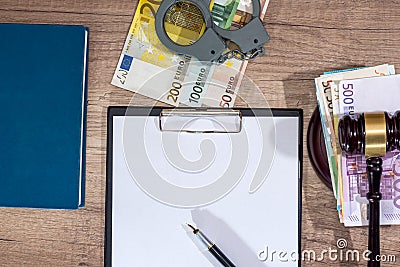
(372, 134)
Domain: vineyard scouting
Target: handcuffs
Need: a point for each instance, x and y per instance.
(213, 43)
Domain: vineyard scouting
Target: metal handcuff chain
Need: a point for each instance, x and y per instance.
(213, 43)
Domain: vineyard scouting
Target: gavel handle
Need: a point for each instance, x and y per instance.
(373, 234)
(374, 172)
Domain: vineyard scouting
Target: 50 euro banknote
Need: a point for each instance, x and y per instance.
(149, 68)
(370, 95)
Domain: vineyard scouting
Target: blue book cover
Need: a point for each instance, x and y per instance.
(43, 91)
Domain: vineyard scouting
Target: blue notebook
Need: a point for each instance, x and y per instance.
(43, 88)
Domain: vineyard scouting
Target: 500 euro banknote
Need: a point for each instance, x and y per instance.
(327, 96)
(380, 70)
(147, 67)
(369, 95)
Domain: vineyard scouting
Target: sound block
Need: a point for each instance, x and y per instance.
(316, 149)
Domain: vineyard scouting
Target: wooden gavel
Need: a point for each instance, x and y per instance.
(371, 134)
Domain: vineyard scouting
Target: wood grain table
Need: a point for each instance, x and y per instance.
(308, 37)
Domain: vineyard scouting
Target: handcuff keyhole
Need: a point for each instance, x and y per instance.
(255, 41)
(213, 52)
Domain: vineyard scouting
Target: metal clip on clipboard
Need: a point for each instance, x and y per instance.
(200, 120)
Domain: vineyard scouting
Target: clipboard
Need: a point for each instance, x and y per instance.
(142, 230)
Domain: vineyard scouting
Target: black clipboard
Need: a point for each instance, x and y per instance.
(114, 111)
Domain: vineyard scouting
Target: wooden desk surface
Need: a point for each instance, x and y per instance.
(307, 38)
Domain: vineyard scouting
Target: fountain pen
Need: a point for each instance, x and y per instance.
(212, 248)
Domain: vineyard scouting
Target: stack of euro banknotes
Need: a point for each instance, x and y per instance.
(149, 68)
(350, 92)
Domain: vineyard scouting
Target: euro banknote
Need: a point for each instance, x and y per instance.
(380, 70)
(368, 95)
(149, 68)
(322, 86)
(327, 95)
(323, 93)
